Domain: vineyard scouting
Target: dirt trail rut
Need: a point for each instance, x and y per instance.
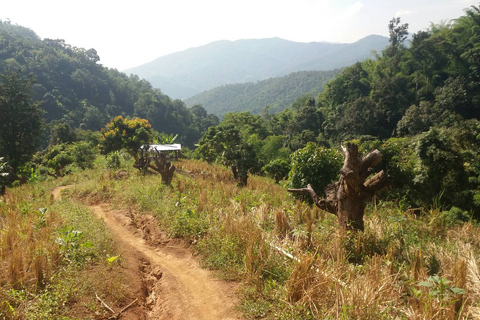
(184, 290)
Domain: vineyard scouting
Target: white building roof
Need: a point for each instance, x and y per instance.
(163, 147)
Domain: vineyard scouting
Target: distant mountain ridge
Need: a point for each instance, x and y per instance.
(186, 73)
(276, 93)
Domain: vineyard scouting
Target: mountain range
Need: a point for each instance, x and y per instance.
(186, 73)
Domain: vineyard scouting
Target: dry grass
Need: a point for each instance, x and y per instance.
(27, 251)
(371, 275)
(40, 279)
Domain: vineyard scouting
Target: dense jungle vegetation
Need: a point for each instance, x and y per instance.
(276, 93)
(417, 258)
(77, 90)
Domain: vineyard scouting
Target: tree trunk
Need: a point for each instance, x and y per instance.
(165, 168)
(234, 171)
(160, 164)
(347, 197)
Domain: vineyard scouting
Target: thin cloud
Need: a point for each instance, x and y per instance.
(403, 13)
(353, 10)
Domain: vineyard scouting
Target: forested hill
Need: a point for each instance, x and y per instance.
(276, 93)
(186, 73)
(77, 89)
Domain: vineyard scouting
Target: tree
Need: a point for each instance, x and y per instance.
(21, 120)
(347, 197)
(278, 169)
(58, 159)
(61, 132)
(398, 34)
(314, 165)
(225, 143)
(128, 134)
(442, 170)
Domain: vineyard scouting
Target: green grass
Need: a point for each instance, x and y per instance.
(379, 271)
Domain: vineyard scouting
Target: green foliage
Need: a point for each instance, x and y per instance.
(189, 224)
(20, 119)
(440, 287)
(78, 91)
(442, 168)
(277, 169)
(125, 134)
(113, 160)
(61, 158)
(233, 145)
(273, 147)
(314, 165)
(455, 216)
(4, 179)
(277, 93)
(61, 132)
(72, 246)
(164, 138)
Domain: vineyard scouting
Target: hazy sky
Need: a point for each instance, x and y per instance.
(130, 33)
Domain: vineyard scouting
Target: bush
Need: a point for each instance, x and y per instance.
(277, 169)
(314, 165)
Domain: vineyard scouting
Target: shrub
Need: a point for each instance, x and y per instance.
(314, 165)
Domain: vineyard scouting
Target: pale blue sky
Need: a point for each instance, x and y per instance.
(130, 33)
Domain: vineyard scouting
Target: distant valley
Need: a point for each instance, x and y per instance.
(184, 74)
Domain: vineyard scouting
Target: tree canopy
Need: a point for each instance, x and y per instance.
(21, 119)
(76, 89)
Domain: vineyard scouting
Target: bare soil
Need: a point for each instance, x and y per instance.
(167, 278)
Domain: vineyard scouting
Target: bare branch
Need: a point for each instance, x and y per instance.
(377, 182)
(103, 303)
(320, 203)
(368, 162)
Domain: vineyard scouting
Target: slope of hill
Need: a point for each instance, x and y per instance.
(277, 93)
(186, 73)
(77, 89)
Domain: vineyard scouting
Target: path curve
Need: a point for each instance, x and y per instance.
(186, 290)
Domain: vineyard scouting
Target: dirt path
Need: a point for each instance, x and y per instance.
(181, 289)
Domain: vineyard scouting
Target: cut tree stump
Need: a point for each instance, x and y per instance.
(161, 164)
(347, 197)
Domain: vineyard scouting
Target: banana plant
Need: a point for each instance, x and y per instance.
(164, 138)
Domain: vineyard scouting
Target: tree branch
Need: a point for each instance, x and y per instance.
(377, 182)
(320, 203)
(368, 162)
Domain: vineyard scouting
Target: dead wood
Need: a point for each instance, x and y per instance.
(103, 303)
(160, 163)
(347, 197)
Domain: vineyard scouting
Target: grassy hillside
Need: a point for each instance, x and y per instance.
(277, 93)
(186, 73)
(419, 265)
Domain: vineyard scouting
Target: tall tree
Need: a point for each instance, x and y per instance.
(398, 34)
(21, 122)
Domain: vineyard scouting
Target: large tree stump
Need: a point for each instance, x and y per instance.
(161, 164)
(164, 167)
(347, 197)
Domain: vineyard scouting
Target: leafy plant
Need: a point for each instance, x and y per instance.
(164, 138)
(440, 287)
(72, 247)
(277, 169)
(314, 165)
(111, 260)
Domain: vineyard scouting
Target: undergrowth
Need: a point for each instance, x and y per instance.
(53, 256)
(294, 261)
